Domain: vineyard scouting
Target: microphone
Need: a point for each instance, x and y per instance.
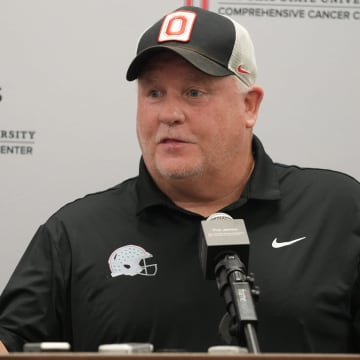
(224, 255)
(222, 235)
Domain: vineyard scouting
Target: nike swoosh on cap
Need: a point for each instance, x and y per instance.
(276, 245)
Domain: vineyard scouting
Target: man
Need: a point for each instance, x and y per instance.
(123, 265)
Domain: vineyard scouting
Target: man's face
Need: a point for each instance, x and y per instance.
(189, 123)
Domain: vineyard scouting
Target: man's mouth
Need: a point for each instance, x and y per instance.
(171, 141)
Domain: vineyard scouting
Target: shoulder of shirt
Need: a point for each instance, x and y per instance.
(120, 192)
(319, 176)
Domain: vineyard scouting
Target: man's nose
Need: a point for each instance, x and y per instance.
(171, 113)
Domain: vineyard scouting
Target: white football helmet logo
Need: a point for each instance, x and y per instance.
(131, 260)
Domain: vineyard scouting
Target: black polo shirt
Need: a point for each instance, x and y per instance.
(123, 265)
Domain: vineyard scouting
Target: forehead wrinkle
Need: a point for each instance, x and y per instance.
(156, 64)
(152, 75)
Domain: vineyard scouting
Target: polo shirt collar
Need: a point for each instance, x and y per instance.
(148, 194)
(262, 185)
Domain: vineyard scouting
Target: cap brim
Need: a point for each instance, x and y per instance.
(198, 60)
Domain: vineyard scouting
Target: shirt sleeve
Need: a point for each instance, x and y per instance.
(33, 305)
(356, 315)
(355, 296)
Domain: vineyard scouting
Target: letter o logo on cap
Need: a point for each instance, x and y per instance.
(177, 26)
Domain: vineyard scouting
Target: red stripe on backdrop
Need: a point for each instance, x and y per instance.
(204, 3)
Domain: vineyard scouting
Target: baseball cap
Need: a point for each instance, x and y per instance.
(213, 43)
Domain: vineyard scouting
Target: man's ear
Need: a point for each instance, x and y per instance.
(253, 100)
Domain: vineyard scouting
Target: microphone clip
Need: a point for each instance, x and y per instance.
(239, 293)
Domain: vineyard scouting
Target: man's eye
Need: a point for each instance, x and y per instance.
(194, 93)
(154, 93)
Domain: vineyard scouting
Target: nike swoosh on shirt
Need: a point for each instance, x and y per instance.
(277, 245)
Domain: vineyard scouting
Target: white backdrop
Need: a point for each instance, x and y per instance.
(67, 113)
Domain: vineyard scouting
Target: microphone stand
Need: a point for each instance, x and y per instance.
(238, 290)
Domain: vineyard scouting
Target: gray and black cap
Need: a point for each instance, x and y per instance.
(213, 43)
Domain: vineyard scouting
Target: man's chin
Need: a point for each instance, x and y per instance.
(179, 173)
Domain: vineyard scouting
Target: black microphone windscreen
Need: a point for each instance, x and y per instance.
(220, 236)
